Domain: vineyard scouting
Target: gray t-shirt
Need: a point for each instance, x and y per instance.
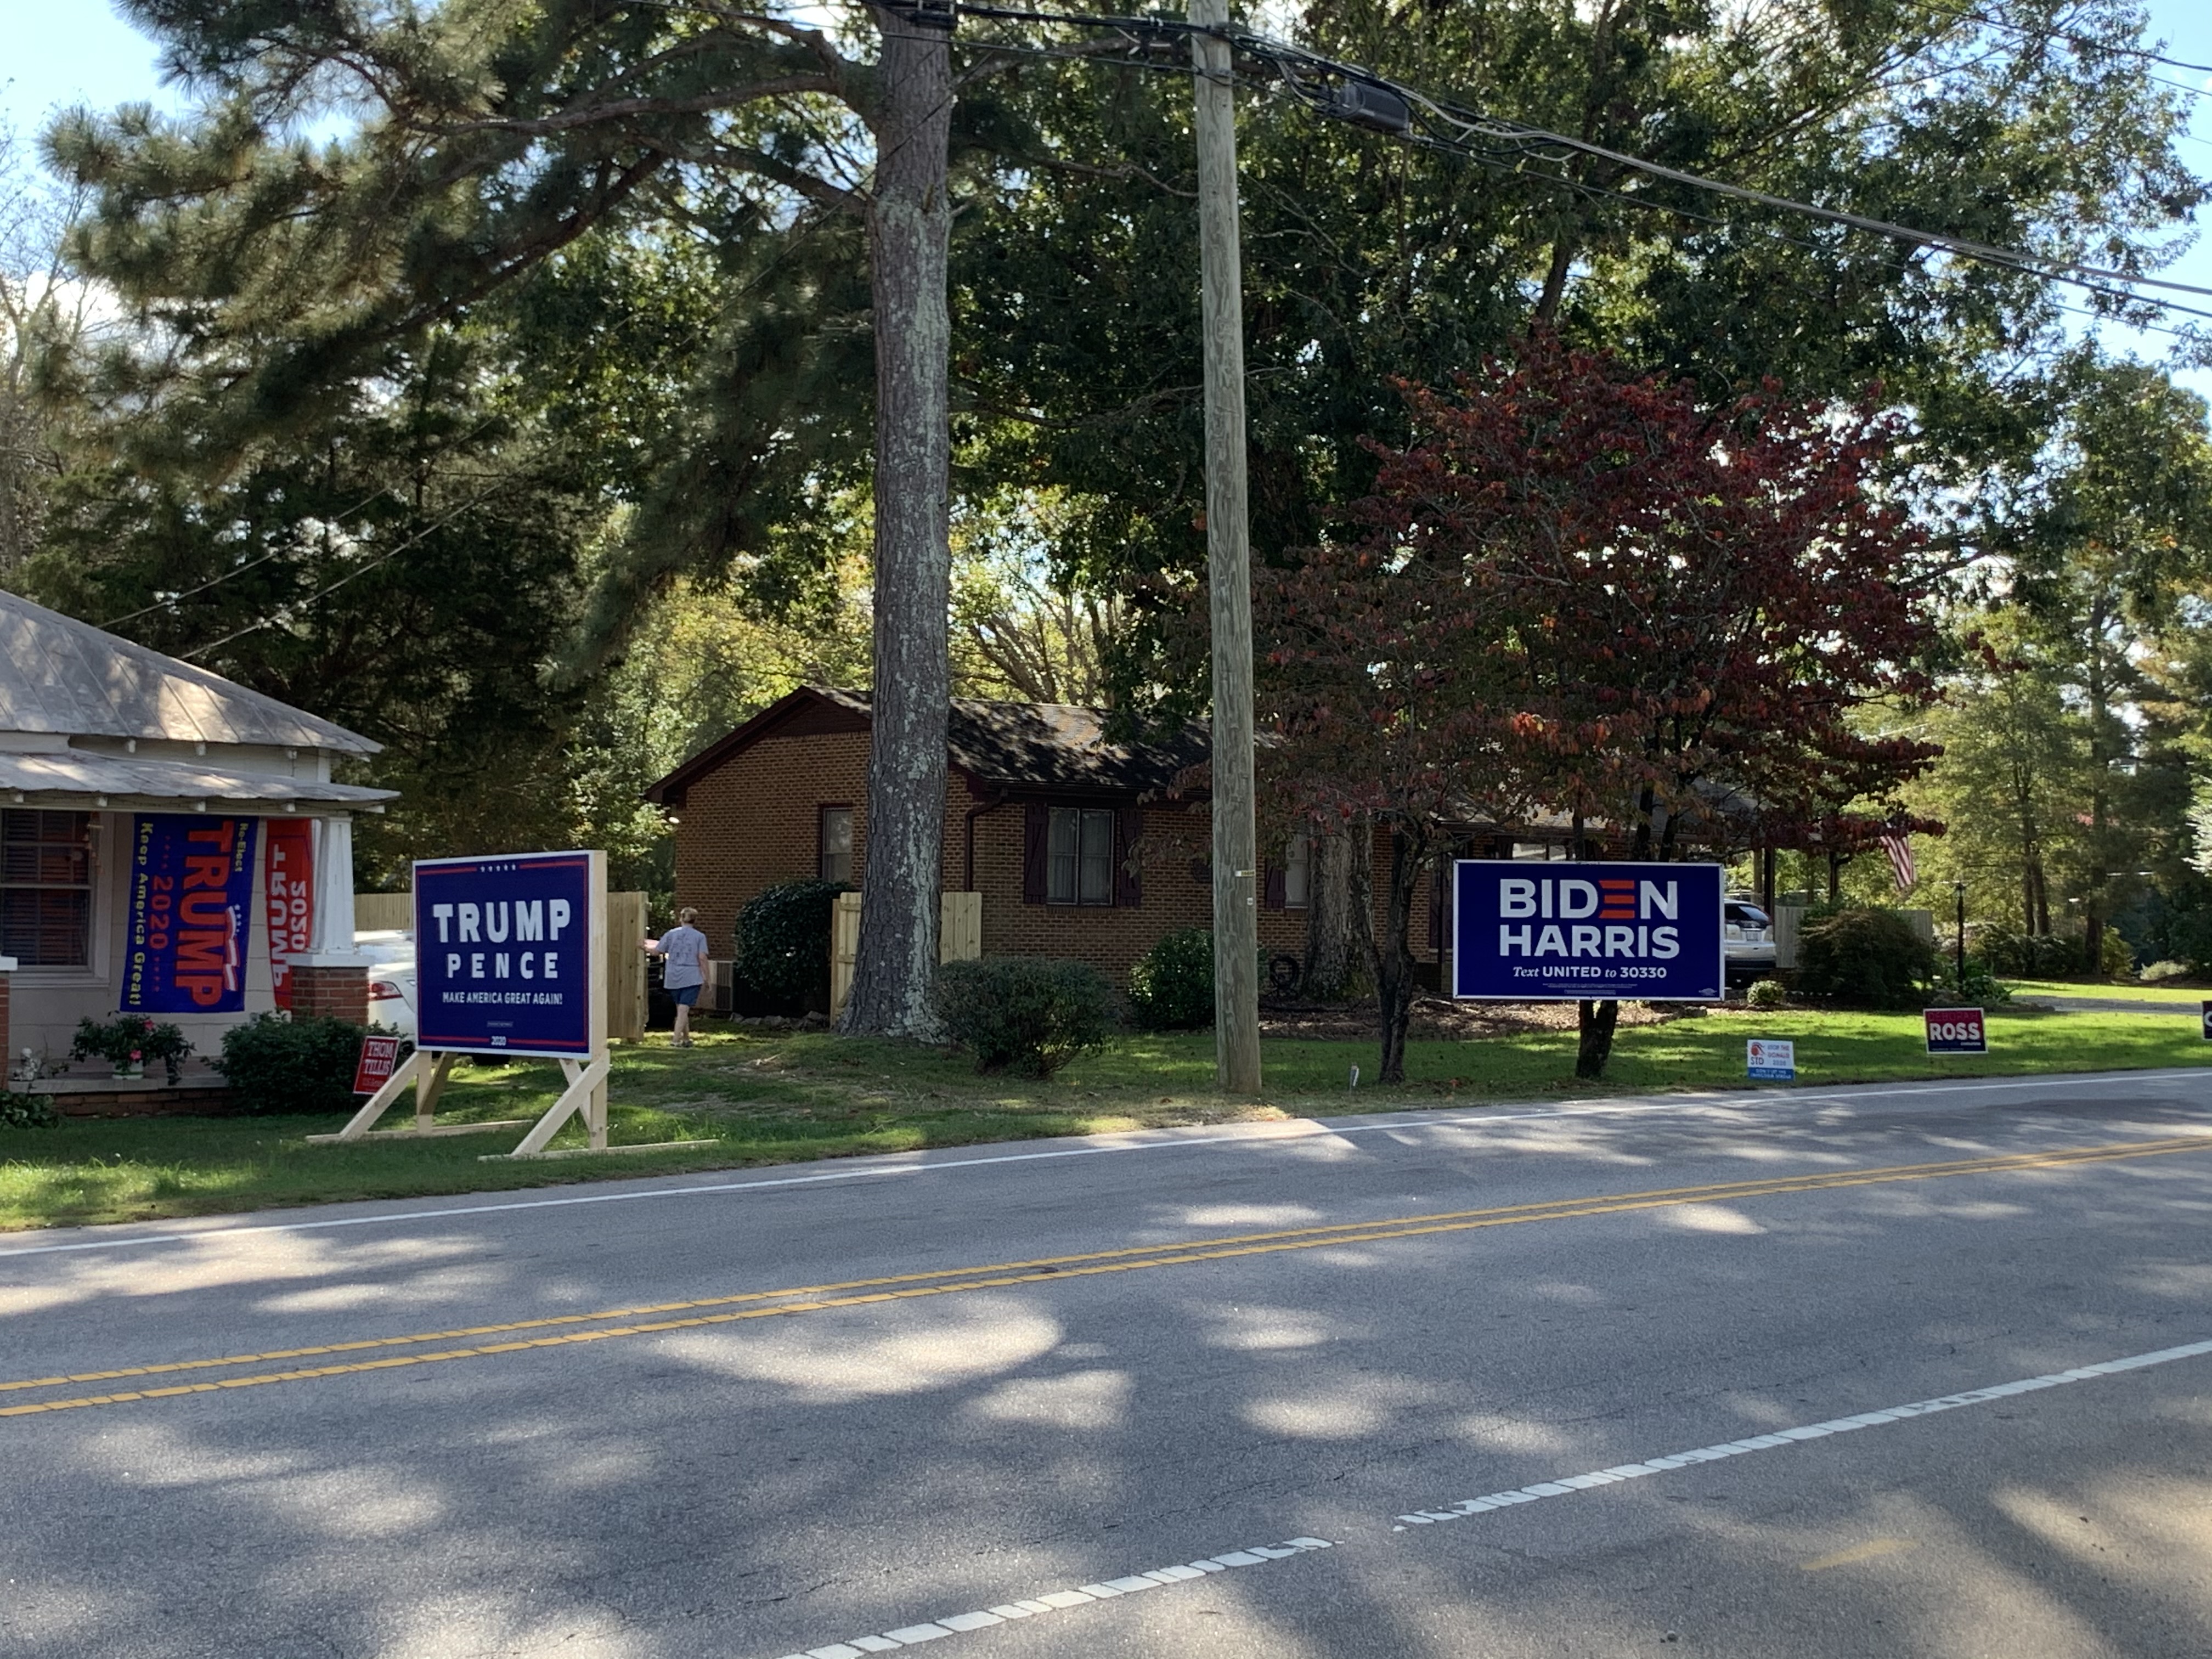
(686, 948)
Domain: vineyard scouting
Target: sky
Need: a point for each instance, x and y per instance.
(54, 53)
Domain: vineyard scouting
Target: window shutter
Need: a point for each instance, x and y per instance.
(1036, 827)
(1277, 896)
(1128, 879)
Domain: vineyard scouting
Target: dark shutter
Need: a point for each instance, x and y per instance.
(1276, 894)
(1128, 878)
(1037, 831)
(1437, 905)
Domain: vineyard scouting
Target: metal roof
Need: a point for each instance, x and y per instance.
(61, 676)
(77, 779)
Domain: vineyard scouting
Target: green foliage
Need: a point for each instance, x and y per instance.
(1767, 994)
(277, 1064)
(2043, 956)
(27, 1111)
(1025, 1014)
(1171, 987)
(2157, 973)
(1979, 989)
(1865, 958)
(783, 940)
(116, 1041)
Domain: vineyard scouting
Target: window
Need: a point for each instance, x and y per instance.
(1079, 857)
(1297, 872)
(837, 844)
(46, 888)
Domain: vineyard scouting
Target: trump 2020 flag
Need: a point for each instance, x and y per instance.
(191, 910)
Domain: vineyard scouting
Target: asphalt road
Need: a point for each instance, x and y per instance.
(1415, 1385)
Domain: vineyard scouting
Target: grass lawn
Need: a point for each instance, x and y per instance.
(2107, 991)
(770, 1098)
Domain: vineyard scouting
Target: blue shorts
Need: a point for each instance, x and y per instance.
(686, 997)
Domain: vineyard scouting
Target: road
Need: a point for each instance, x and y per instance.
(1312, 1389)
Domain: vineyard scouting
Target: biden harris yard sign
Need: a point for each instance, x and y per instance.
(504, 960)
(1558, 931)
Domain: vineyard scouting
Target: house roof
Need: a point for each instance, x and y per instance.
(135, 781)
(63, 676)
(1043, 746)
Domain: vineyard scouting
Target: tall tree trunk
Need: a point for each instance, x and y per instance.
(910, 235)
(1391, 957)
(1336, 912)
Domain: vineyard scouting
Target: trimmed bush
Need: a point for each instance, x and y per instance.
(23, 1112)
(1025, 1014)
(274, 1064)
(2155, 972)
(783, 941)
(1171, 987)
(1870, 959)
(1767, 994)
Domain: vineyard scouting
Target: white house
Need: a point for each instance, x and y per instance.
(104, 747)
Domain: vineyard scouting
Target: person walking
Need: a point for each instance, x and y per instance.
(683, 948)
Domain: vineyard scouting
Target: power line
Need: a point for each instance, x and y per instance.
(1366, 98)
(2089, 41)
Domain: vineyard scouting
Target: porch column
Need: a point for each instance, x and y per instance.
(7, 1054)
(332, 981)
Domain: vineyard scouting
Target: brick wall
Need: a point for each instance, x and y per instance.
(755, 820)
(331, 993)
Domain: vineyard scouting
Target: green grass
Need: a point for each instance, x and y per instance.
(777, 1097)
(2107, 991)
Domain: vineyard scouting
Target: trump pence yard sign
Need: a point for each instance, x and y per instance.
(503, 957)
(1553, 933)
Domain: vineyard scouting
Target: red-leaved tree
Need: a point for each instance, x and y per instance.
(1598, 595)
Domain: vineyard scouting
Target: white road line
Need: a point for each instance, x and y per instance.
(1036, 1606)
(1167, 1140)
(1563, 1485)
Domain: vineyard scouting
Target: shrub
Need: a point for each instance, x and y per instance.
(1980, 988)
(116, 1040)
(2156, 971)
(783, 940)
(1171, 987)
(1025, 1014)
(2027, 955)
(1873, 958)
(21, 1111)
(274, 1064)
(1767, 994)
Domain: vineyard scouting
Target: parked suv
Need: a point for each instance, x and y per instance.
(1748, 936)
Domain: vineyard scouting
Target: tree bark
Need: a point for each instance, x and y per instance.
(1594, 1038)
(1391, 958)
(909, 236)
(1336, 913)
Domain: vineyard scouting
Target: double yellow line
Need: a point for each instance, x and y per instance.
(644, 1321)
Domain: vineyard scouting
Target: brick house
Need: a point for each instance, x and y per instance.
(1080, 845)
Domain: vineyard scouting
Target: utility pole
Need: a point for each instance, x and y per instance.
(1229, 566)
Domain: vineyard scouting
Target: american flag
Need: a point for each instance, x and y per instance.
(1899, 849)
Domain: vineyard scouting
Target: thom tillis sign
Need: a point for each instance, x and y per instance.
(1557, 931)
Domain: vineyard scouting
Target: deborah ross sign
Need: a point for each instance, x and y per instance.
(504, 962)
(1558, 931)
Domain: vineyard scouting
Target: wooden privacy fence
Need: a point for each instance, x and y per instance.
(959, 938)
(626, 990)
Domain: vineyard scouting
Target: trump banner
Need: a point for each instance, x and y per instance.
(1552, 932)
(290, 907)
(192, 913)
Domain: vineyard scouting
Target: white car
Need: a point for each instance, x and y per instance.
(1748, 936)
(391, 953)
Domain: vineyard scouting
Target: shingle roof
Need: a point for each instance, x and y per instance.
(1060, 747)
(61, 676)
